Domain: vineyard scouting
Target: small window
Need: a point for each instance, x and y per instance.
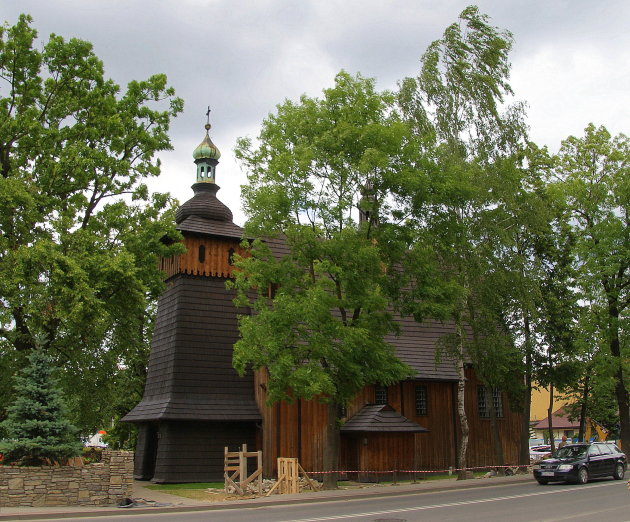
(231, 256)
(497, 401)
(482, 404)
(380, 394)
(202, 253)
(421, 400)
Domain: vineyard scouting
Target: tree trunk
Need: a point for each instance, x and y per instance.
(331, 446)
(461, 409)
(494, 425)
(624, 414)
(585, 393)
(620, 389)
(527, 398)
(552, 441)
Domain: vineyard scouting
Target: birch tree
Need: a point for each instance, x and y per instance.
(458, 102)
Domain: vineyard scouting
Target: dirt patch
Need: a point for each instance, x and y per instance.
(205, 495)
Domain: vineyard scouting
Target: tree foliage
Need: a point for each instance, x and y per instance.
(457, 102)
(594, 175)
(316, 162)
(79, 229)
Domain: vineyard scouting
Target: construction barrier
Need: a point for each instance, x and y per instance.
(399, 474)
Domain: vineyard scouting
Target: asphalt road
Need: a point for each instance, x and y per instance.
(599, 501)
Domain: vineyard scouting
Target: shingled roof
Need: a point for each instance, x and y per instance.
(416, 343)
(210, 227)
(205, 214)
(380, 417)
(560, 420)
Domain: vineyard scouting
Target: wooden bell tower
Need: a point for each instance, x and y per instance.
(194, 403)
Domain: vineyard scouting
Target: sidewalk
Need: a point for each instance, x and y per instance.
(150, 501)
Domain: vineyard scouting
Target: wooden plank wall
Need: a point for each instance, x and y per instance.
(481, 448)
(284, 435)
(381, 451)
(296, 429)
(215, 259)
(434, 450)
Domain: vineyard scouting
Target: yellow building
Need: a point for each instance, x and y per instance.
(540, 404)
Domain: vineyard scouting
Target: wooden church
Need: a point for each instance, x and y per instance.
(195, 404)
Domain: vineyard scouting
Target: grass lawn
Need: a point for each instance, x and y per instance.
(191, 485)
(194, 490)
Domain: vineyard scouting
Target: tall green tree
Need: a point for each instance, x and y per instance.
(37, 428)
(594, 175)
(590, 397)
(315, 164)
(79, 229)
(532, 259)
(458, 102)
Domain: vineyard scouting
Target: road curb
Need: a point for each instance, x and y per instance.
(310, 498)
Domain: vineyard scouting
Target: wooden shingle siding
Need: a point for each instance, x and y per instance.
(193, 451)
(190, 374)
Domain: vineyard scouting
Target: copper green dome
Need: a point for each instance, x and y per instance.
(206, 149)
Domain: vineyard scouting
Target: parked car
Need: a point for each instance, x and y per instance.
(581, 462)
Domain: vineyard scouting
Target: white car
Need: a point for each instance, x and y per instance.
(539, 452)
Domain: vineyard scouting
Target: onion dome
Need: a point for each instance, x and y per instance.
(206, 149)
(206, 158)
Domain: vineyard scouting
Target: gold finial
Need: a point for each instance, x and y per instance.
(207, 126)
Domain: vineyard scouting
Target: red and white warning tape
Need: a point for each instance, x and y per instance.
(452, 470)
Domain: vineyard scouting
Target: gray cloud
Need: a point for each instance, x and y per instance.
(571, 59)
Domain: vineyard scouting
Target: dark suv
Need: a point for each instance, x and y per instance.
(582, 461)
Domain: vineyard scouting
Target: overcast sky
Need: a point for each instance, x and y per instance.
(570, 61)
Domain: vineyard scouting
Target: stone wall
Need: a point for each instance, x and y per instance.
(103, 483)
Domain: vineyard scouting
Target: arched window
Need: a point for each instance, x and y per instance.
(202, 253)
